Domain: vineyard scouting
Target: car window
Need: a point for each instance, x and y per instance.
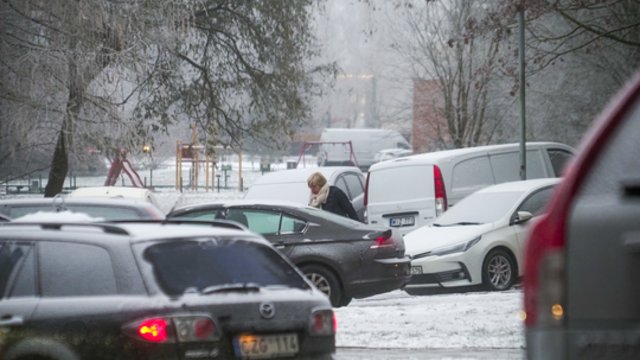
(354, 184)
(342, 185)
(69, 269)
(559, 159)
(471, 174)
(266, 222)
(480, 207)
(184, 266)
(291, 225)
(16, 261)
(506, 166)
(537, 201)
(260, 221)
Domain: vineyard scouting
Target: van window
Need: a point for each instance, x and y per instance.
(506, 166)
(471, 174)
(401, 183)
(559, 158)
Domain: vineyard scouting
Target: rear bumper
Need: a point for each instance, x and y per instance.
(380, 276)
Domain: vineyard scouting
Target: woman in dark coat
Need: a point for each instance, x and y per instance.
(329, 198)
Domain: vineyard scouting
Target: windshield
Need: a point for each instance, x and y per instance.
(191, 266)
(479, 208)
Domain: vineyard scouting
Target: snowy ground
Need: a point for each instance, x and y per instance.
(393, 320)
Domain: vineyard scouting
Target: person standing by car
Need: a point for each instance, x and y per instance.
(329, 198)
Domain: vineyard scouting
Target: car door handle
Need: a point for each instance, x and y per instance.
(631, 241)
(9, 320)
(631, 187)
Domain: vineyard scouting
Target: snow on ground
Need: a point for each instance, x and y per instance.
(444, 321)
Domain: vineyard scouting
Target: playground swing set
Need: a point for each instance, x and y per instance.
(192, 153)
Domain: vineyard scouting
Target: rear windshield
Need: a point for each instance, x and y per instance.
(191, 266)
(401, 183)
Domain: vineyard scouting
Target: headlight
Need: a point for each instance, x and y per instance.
(446, 250)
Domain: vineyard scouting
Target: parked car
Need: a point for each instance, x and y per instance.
(99, 207)
(342, 257)
(72, 291)
(413, 191)
(126, 192)
(291, 185)
(480, 241)
(581, 292)
(387, 154)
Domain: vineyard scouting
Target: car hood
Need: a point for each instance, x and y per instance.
(430, 237)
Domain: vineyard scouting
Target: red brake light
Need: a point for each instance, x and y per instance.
(440, 191)
(181, 328)
(366, 191)
(323, 322)
(383, 240)
(153, 330)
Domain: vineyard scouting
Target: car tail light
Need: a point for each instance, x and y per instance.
(544, 301)
(153, 330)
(440, 191)
(366, 191)
(323, 322)
(382, 240)
(171, 329)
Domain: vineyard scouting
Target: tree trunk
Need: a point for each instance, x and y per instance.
(59, 167)
(60, 161)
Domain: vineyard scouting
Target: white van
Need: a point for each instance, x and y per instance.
(410, 192)
(365, 143)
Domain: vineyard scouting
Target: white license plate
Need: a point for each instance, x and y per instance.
(402, 221)
(416, 270)
(265, 346)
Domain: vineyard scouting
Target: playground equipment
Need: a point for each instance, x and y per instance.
(197, 154)
(120, 164)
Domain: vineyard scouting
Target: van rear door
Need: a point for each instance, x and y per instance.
(401, 196)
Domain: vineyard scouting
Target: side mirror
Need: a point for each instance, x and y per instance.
(521, 217)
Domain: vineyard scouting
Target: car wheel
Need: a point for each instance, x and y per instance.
(498, 271)
(325, 281)
(345, 301)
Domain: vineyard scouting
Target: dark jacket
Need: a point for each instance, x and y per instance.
(338, 203)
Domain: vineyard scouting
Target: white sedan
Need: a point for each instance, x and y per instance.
(479, 241)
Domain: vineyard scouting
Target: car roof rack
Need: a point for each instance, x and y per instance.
(214, 223)
(106, 227)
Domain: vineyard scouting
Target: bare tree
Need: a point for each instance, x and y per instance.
(115, 72)
(449, 48)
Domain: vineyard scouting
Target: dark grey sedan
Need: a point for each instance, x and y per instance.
(343, 258)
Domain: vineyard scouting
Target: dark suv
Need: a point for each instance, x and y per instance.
(154, 291)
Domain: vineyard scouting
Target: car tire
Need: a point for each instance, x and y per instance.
(498, 271)
(324, 280)
(38, 348)
(345, 300)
